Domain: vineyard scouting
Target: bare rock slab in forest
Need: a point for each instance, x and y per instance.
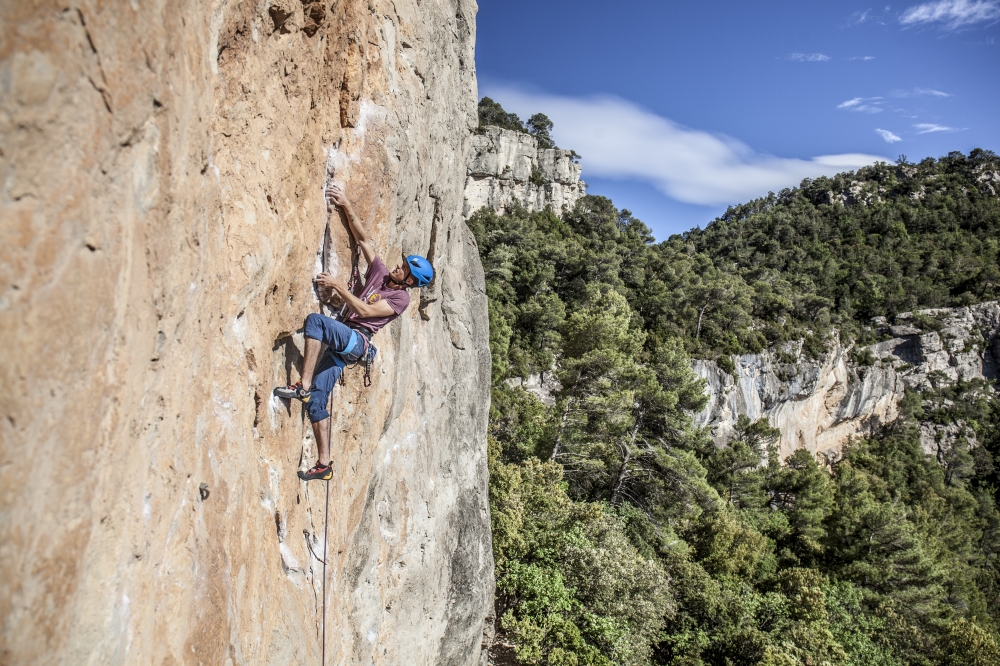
(820, 404)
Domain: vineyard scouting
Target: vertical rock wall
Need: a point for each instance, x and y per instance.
(163, 166)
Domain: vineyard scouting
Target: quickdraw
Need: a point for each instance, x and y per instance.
(369, 361)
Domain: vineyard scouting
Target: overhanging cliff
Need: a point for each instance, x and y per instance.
(161, 217)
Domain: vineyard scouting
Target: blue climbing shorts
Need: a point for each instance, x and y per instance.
(344, 345)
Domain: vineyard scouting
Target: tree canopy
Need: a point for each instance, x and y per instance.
(538, 125)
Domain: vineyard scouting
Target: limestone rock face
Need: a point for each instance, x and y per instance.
(507, 167)
(819, 404)
(161, 220)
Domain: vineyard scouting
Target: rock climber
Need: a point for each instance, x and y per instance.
(383, 298)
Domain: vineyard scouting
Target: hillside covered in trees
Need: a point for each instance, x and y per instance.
(622, 535)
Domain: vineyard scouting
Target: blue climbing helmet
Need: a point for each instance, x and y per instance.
(420, 269)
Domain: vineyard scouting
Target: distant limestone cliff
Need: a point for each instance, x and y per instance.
(819, 404)
(507, 167)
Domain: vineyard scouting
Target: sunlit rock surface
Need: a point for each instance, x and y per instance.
(819, 404)
(507, 168)
(161, 216)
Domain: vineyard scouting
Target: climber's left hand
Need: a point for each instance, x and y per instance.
(327, 281)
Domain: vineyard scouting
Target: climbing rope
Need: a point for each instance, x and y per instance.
(309, 538)
(353, 282)
(326, 523)
(369, 357)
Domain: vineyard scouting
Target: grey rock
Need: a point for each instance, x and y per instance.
(937, 439)
(820, 405)
(900, 330)
(543, 387)
(501, 169)
(930, 343)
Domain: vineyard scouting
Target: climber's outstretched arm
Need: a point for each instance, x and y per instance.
(335, 197)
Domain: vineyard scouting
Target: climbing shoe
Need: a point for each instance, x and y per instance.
(321, 472)
(292, 391)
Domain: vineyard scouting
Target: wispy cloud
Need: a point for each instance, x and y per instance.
(920, 92)
(862, 105)
(888, 136)
(927, 128)
(859, 17)
(878, 104)
(952, 14)
(619, 139)
(808, 57)
(863, 58)
(867, 16)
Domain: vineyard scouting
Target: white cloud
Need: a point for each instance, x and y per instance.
(863, 58)
(952, 13)
(867, 16)
(888, 136)
(927, 128)
(918, 92)
(808, 57)
(621, 140)
(858, 18)
(862, 104)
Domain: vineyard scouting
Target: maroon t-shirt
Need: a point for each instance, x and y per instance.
(377, 289)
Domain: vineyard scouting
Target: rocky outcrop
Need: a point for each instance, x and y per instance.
(160, 220)
(544, 387)
(507, 167)
(819, 404)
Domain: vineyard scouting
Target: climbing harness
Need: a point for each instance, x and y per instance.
(367, 358)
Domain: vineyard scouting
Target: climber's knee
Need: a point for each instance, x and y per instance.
(327, 373)
(316, 407)
(314, 327)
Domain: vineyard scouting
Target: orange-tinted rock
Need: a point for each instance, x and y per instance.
(161, 216)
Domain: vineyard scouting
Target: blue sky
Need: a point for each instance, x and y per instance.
(680, 109)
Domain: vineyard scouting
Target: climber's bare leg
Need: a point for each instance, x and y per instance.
(309, 364)
(320, 431)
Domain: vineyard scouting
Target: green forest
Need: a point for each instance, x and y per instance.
(623, 535)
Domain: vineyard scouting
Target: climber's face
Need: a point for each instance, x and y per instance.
(401, 275)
